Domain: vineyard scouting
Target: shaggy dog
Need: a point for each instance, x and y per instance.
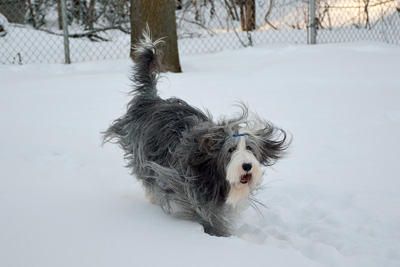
(191, 166)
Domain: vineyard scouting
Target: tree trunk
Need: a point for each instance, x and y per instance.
(242, 16)
(367, 23)
(160, 16)
(59, 13)
(250, 15)
(32, 13)
(247, 14)
(91, 14)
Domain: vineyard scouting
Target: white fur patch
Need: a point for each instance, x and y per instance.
(238, 197)
(239, 193)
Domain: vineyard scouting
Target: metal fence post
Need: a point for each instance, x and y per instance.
(313, 33)
(65, 31)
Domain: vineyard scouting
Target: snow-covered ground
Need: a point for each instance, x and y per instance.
(334, 201)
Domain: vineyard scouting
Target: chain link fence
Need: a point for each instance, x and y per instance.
(345, 21)
(31, 31)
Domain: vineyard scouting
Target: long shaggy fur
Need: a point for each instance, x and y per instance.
(183, 157)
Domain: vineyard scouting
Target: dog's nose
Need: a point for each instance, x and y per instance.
(246, 167)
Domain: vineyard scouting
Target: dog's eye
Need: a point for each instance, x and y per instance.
(249, 148)
(232, 149)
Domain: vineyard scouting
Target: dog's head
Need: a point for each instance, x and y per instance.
(240, 146)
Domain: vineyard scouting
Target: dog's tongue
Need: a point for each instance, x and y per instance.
(245, 178)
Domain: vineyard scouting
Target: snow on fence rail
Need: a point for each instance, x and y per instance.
(31, 31)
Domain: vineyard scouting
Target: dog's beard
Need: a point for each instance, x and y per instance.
(246, 178)
(242, 181)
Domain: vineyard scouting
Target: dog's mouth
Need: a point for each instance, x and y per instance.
(245, 178)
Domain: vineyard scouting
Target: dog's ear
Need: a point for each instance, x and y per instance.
(273, 144)
(212, 141)
(204, 148)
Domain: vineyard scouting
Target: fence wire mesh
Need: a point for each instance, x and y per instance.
(31, 31)
(344, 21)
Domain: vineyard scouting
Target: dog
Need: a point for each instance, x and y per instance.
(193, 167)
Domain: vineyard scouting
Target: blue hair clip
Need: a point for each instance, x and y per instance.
(237, 135)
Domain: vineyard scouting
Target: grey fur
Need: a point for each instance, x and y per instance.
(179, 153)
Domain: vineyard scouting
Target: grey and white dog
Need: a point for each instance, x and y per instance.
(191, 166)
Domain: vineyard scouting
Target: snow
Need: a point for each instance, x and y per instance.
(334, 200)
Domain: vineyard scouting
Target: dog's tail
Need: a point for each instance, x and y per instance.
(148, 65)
